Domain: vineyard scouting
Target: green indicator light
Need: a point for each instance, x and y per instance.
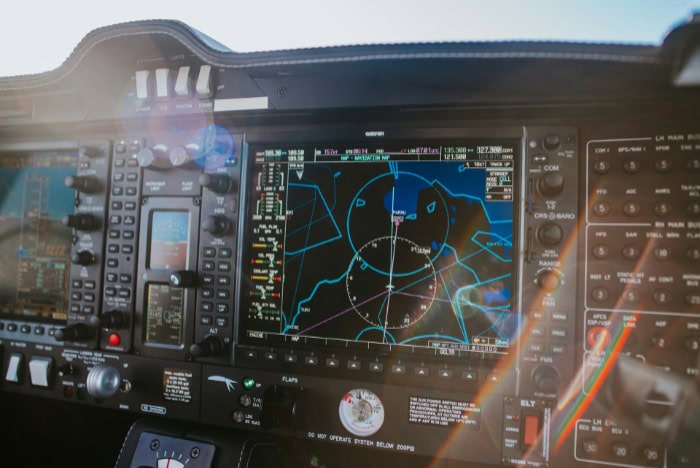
(248, 383)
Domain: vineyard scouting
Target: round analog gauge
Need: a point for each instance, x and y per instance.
(401, 293)
(361, 412)
(169, 463)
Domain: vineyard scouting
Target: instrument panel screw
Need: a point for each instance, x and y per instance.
(282, 92)
(155, 443)
(194, 453)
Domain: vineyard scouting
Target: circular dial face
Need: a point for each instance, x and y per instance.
(361, 412)
(399, 292)
(169, 463)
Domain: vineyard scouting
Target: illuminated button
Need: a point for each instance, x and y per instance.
(119, 162)
(222, 308)
(112, 262)
(537, 332)
(602, 166)
(208, 265)
(117, 205)
(39, 330)
(354, 365)
(493, 378)
(11, 327)
(129, 220)
(291, 358)
(631, 209)
(206, 320)
(470, 376)
(398, 369)
(125, 278)
(128, 235)
(76, 296)
(114, 339)
(530, 429)
(445, 373)
(130, 206)
(224, 267)
(535, 348)
(74, 308)
(223, 293)
(131, 191)
(600, 294)
(111, 277)
(225, 252)
(206, 307)
(332, 363)
(124, 293)
(132, 177)
(77, 284)
(421, 371)
(207, 293)
(557, 349)
(560, 316)
(311, 361)
(251, 354)
(270, 356)
(632, 166)
(89, 284)
(117, 191)
(26, 329)
(110, 292)
(601, 208)
(88, 310)
(89, 297)
(557, 332)
(113, 248)
(132, 162)
(209, 252)
(118, 177)
(376, 367)
(249, 382)
(127, 249)
(114, 234)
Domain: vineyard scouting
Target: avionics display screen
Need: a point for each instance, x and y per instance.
(169, 240)
(34, 244)
(396, 244)
(164, 315)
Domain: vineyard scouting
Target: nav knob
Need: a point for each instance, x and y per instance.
(83, 258)
(82, 221)
(181, 155)
(103, 381)
(216, 225)
(218, 183)
(76, 332)
(153, 158)
(84, 184)
(209, 346)
(546, 379)
(551, 183)
(183, 279)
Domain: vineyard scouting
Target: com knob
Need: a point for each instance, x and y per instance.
(83, 184)
(546, 379)
(103, 381)
(218, 183)
(153, 158)
(216, 225)
(209, 346)
(82, 222)
(551, 184)
(83, 258)
(76, 332)
(551, 141)
(183, 279)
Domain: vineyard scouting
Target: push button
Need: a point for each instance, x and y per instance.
(40, 370)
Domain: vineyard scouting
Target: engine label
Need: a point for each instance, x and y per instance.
(443, 413)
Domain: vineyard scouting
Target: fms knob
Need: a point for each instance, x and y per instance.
(103, 381)
(216, 225)
(546, 379)
(82, 221)
(183, 279)
(83, 258)
(84, 184)
(218, 183)
(153, 158)
(209, 346)
(76, 332)
(551, 184)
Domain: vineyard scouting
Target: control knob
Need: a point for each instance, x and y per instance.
(82, 221)
(103, 381)
(84, 184)
(209, 346)
(216, 225)
(550, 234)
(181, 155)
(183, 279)
(218, 183)
(76, 332)
(83, 258)
(551, 141)
(153, 158)
(546, 379)
(551, 183)
(548, 280)
(111, 319)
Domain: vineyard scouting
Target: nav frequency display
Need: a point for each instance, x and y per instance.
(396, 244)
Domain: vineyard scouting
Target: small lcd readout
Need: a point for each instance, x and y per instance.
(169, 240)
(164, 315)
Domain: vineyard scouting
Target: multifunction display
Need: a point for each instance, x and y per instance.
(34, 244)
(396, 243)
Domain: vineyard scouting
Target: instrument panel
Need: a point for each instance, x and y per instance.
(445, 285)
